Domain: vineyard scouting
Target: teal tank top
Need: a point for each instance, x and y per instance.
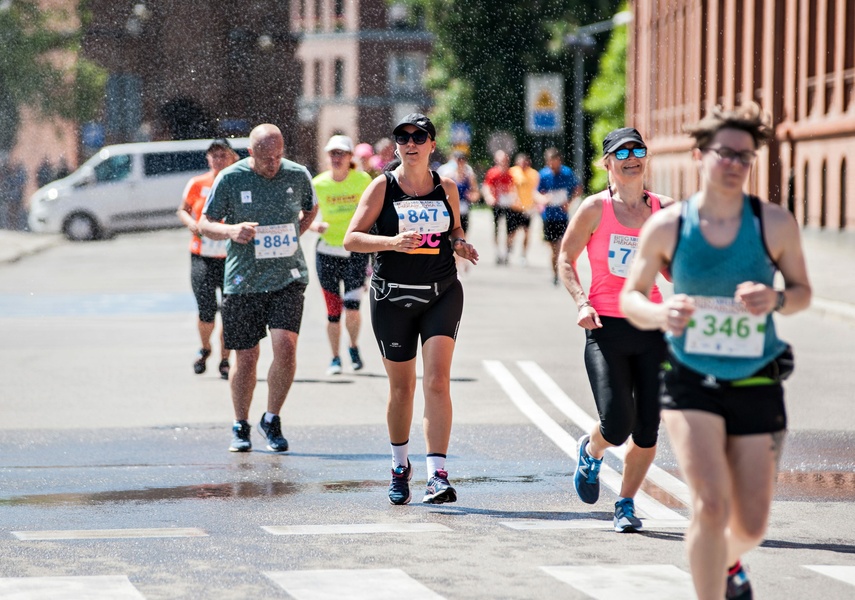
(721, 340)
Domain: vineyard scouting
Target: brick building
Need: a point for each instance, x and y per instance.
(795, 57)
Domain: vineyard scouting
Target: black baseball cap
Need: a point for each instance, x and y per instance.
(220, 143)
(619, 137)
(419, 121)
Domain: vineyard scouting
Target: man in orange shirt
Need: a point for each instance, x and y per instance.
(207, 256)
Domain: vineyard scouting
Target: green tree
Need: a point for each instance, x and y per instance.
(33, 73)
(606, 101)
(482, 53)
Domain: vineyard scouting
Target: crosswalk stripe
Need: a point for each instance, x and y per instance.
(354, 584)
(618, 582)
(89, 534)
(104, 587)
(355, 528)
(644, 503)
(546, 524)
(572, 411)
(846, 574)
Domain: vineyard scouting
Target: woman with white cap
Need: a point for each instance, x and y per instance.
(340, 272)
(622, 361)
(410, 217)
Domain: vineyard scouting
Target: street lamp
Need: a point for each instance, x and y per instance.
(581, 41)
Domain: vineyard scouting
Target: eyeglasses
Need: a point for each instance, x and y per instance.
(623, 153)
(745, 158)
(419, 137)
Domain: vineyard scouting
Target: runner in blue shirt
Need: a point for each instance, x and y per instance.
(559, 186)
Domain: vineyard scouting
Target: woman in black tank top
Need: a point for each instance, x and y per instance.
(410, 217)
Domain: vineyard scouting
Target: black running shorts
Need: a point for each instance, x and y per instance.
(206, 275)
(246, 317)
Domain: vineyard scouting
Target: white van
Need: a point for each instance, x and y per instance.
(122, 187)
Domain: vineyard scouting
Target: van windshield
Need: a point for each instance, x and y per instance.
(114, 168)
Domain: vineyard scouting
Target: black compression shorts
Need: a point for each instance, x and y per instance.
(206, 275)
(402, 315)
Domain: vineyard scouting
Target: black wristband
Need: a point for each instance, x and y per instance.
(455, 240)
(782, 299)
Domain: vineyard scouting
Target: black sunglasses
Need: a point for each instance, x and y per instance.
(419, 137)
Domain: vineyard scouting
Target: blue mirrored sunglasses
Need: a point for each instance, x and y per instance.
(419, 137)
(623, 153)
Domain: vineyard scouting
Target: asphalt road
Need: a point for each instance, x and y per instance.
(117, 482)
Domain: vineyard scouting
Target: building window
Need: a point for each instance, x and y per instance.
(805, 188)
(338, 78)
(123, 106)
(842, 223)
(405, 72)
(823, 195)
(319, 11)
(319, 81)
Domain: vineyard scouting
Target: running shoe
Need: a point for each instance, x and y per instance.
(273, 432)
(199, 366)
(625, 519)
(399, 489)
(738, 586)
(224, 369)
(240, 439)
(335, 366)
(355, 359)
(439, 491)
(587, 477)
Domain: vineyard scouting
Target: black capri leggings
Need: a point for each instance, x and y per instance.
(206, 275)
(623, 366)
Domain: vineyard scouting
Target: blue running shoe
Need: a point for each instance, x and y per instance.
(587, 477)
(355, 359)
(273, 432)
(335, 366)
(738, 586)
(399, 489)
(625, 519)
(439, 491)
(240, 438)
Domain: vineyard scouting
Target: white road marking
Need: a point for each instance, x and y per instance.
(90, 534)
(355, 584)
(572, 411)
(644, 503)
(546, 524)
(618, 582)
(348, 528)
(105, 587)
(841, 573)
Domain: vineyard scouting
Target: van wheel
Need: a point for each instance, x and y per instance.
(80, 227)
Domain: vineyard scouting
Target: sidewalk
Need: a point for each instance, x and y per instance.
(830, 258)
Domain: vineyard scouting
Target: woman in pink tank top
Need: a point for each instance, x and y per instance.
(622, 361)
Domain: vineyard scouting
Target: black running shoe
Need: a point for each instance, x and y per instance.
(439, 491)
(738, 586)
(399, 489)
(201, 358)
(355, 359)
(240, 439)
(273, 432)
(224, 369)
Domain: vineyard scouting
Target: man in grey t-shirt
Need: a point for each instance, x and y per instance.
(265, 203)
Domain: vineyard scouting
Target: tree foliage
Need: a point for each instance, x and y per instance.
(606, 101)
(33, 72)
(483, 51)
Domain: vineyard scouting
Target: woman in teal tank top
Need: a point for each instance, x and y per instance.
(723, 404)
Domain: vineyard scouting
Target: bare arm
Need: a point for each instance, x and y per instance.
(242, 233)
(655, 245)
(358, 238)
(462, 248)
(784, 242)
(578, 234)
(187, 219)
(307, 218)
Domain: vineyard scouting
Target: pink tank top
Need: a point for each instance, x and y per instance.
(610, 251)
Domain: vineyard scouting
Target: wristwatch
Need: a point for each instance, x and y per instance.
(782, 299)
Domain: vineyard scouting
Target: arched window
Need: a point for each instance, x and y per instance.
(805, 189)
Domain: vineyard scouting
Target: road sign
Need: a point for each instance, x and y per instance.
(544, 103)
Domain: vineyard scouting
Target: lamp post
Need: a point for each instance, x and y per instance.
(581, 41)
